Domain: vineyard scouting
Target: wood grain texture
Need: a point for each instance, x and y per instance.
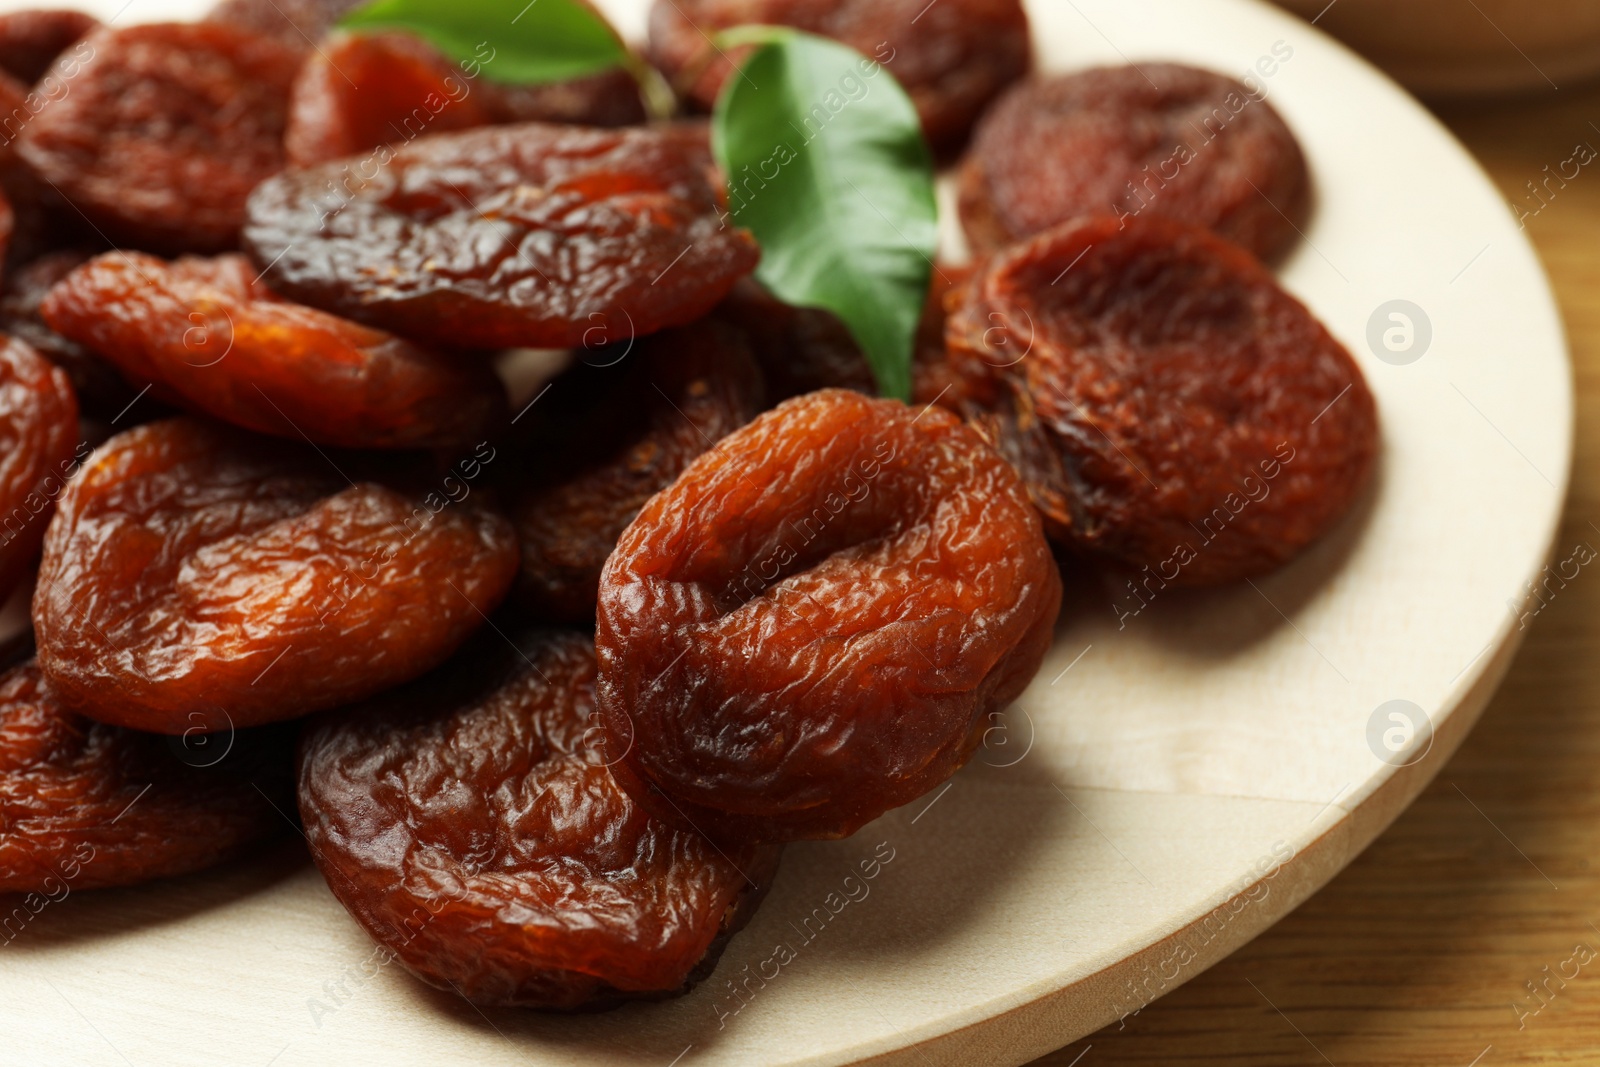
(1149, 790)
(1422, 951)
(1447, 48)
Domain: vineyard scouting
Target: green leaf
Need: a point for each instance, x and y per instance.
(827, 165)
(546, 41)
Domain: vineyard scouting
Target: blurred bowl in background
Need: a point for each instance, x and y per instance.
(1468, 47)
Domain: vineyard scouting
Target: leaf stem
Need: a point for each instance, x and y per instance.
(659, 100)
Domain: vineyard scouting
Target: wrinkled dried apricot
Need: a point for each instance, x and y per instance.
(38, 453)
(191, 567)
(810, 625)
(359, 91)
(1167, 403)
(698, 384)
(31, 39)
(86, 805)
(164, 132)
(952, 57)
(527, 235)
(102, 392)
(1159, 138)
(469, 825)
(229, 347)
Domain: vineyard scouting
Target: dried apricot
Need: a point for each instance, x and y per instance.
(359, 91)
(1167, 403)
(1159, 139)
(86, 805)
(31, 39)
(803, 349)
(296, 24)
(38, 453)
(528, 235)
(609, 98)
(951, 57)
(165, 131)
(102, 392)
(466, 822)
(229, 347)
(698, 384)
(191, 567)
(8, 223)
(42, 221)
(810, 625)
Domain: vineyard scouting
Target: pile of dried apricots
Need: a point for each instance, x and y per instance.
(563, 683)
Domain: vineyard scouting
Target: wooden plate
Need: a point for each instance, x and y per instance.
(1176, 779)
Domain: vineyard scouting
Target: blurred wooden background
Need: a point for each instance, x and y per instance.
(1422, 951)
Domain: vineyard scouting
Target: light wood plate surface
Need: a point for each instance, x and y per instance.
(1172, 783)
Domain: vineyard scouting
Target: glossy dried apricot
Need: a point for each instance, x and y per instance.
(86, 805)
(810, 626)
(1158, 138)
(228, 347)
(952, 57)
(31, 39)
(466, 822)
(164, 132)
(191, 567)
(506, 236)
(38, 453)
(102, 392)
(1167, 403)
(698, 384)
(362, 90)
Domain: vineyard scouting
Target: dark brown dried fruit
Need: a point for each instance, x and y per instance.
(1159, 139)
(86, 805)
(359, 91)
(295, 24)
(165, 131)
(609, 98)
(530, 235)
(190, 567)
(696, 384)
(38, 435)
(229, 347)
(8, 223)
(804, 349)
(468, 825)
(1168, 404)
(809, 627)
(31, 39)
(952, 57)
(43, 221)
(102, 392)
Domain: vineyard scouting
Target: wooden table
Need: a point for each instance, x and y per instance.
(1446, 942)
